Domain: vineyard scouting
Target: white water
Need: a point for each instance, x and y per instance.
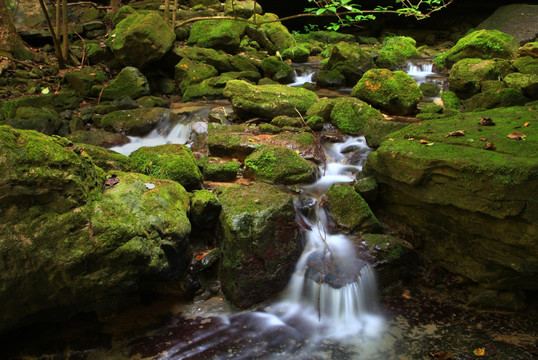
(302, 77)
(420, 72)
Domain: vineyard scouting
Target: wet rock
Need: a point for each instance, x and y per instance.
(267, 101)
(135, 122)
(499, 300)
(83, 80)
(350, 61)
(217, 34)
(277, 70)
(529, 49)
(44, 120)
(481, 44)
(216, 169)
(395, 52)
(140, 39)
(327, 268)
(98, 137)
(106, 159)
(129, 82)
(349, 210)
(469, 210)
(205, 210)
(260, 242)
(351, 115)
(279, 165)
(297, 54)
(272, 36)
(394, 92)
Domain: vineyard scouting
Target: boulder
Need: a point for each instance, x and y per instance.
(260, 242)
(467, 75)
(526, 65)
(395, 52)
(279, 165)
(272, 36)
(267, 101)
(217, 34)
(330, 79)
(129, 82)
(171, 161)
(65, 100)
(491, 99)
(242, 8)
(349, 210)
(518, 20)
(216, 58)
(467, 205)
(216, 169)
(43, 119)
(351, 115)
(106, 159)
(98, 137)
(527, 83)
(297, 54)
(189, 72)
(213, 87)
(325, 37)
(480, 44)
(350, 61)
(82, 80)
(277, 70)
(392, 91)
(140, 39)
(204, 210)
(529, 49)
(136, 122)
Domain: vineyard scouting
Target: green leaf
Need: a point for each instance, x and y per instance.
(320, 11)
(45, 91)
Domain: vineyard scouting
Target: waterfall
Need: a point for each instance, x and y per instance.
(302, 77)
(420, 71)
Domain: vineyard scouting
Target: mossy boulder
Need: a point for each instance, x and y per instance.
(216, 169)
(217, 34)
(260, 242)
(216, 58)
(351, 115)
(481, 44)
(392, 91)
(349, 210)
(330, 79)
(283, 120)
(82, 80)
(171, 161)
(322, 107)
(98, 137)
(297, 54)
(43, 119)
(277, 70)
(106, 159)
(242, 8)
(527, 83)
(135, 122)
(129, 82)
(204, 210)
(450, 100)
(430, 89)
(395, 52)
(526, 65)
(495, 98)
(213, 88)
(350, 61)
(469, 205)
(272, 36)
(267, 101)
(467, 75)
(65, 100)
(140, 39)
(529, 49)
(188, 72)
(279, 165)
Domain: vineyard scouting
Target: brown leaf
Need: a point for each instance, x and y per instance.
(457, 133)
(486, 122)
(111, 181)
(489, 146)
(527, 124)
(483, 139)
(516, 135)
(423, 141)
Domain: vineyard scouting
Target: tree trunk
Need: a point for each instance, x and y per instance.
(166, 10)
(65, 43)
(10, 41)
(115, 5)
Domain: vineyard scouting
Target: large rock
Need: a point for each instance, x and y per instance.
(42, 119)
(82, 80)
(65, 100)
(140, 39)
(260, 242)
(518, 20)
(350, 61)
(277, 70)
(527, 83)
(351, 115)
(213, 88)
(129, 82)
(279, 165)
(395, 52)
(171, 161)
(272, 36)
(471, 210)
(217, 34)
(136, 122)
(467, 75)
(268, 101)
(394, 92)
(491, 99)
(480, 44)
(68, 247)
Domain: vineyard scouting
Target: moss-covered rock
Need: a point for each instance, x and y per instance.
(98, 137)
(172, 161)
(140, 39)
(189, 72)
(467, 75)
(450, 100)
(392, 91)
(297, 54)
(323, 108)
(481, 44)
(216, 58)
(279, 165)
(527, 83)
(330, 79)
(217, 34)
(325, 37)
(242, 8)
(350, 61)
(349, 210)
(272, 36)
(135, 122)
(315, 123)
(260, 242)
(470, 209)
(529, 49)
(526, 65)
(429, 89)
(204, 210)
(216, 169)
(283, 120)
(495, 98)
(213, 88)
(129, 82)
(82, 80)
(106, 159)
(65, 100)
(277, 70)
(267, 101)
(395, 52)
(350, 115)
(44, 120)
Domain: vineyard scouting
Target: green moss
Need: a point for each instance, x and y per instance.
(315, 123)
(215, 169)
(526, 65)
(59, 102)
(129, 82)
(272, 36)
(495, 98)
(450, 100)
(217, 34)
(350, 115)
(284, 120)
(323, 107)
(277, 69)
(269, 129)
(296, 54)
(107, 160)
(395, 52)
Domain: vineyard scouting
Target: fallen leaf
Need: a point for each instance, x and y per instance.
(45, 91)
(391, 139)
(111, 181)
(486, 122)
(483, 139)
(489, 146)
(527, 124)
(516, 135)
(457, 133)
(423, 141)
(479, 352)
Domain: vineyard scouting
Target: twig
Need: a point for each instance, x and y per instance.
(83, 49)
(319, 147)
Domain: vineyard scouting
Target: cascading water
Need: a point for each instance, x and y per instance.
(302, 77)
(420, 71)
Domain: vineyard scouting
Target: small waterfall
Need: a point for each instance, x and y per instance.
(420, 71)
(302, 76)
